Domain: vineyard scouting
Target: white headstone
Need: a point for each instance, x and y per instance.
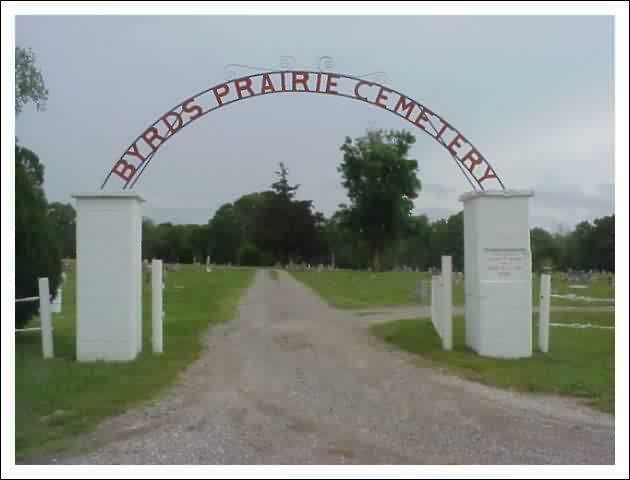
(55, 306)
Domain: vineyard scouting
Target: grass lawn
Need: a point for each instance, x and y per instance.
(599, 288)
(358, 289)
(580, 362)
(56, 399)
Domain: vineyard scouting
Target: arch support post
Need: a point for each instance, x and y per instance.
(109, 276)
(498, 277)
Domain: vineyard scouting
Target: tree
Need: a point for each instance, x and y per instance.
(545, 250)
(275, 230)
(282, 188)
(29, 81)
(247, 209)
(603, 243)
(287, 228)
(63, 220)
(455, 240)
(224, 235)
(381, 183)
(347, 250)
(580, 246)
(415, 246)
(149, 239)
(37, 249)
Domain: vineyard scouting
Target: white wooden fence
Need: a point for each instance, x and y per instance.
(442, 303)
(543, 315)
(157, 310)
(44, 315)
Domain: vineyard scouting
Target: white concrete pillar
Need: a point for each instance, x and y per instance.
(543, 316)
(447, 302)
(109, 276)
(157, 313)
(44, 317)
(498, 278)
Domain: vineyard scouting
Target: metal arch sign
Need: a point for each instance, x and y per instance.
(133, 162)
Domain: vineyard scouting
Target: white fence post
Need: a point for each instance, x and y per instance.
(447, 303)
(156, 304)
(44, 315)
(435, 304)
(543, 318)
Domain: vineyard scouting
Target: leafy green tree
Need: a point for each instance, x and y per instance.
(381, 183)
(603, 243)
(345, 245)
(438, 242)
(580, 246)
(199, 242)
(545, 250)
(37, 248)
(287, 228)
(282, 188)
(29, 81)
(455, 240)
(247, 208)
(250, 255)
(415, 245)
(63, 220)
(149, 239)
(224, 235)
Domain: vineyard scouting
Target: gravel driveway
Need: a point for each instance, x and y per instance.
(292, 380)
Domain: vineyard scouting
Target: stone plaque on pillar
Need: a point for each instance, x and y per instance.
(109, 276)
(498, 279)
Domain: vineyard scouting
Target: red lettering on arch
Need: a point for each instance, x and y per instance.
(131, 163)
(489, 174)
(243, 84)
(267, 84)
(151, 135)
(442, 130)
(408, 107)
(134, 152)
(331, 84)
(190, 106)
(474, 158)
(221, 91)
(455, 143)
(302, 81)
(319, 82)
(124, 170)
(381, 96)
(422, 117)
(356, 90)
(177, 121)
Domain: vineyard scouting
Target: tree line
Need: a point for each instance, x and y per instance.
(228, 238)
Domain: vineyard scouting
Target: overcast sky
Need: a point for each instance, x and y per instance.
(534, 94)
